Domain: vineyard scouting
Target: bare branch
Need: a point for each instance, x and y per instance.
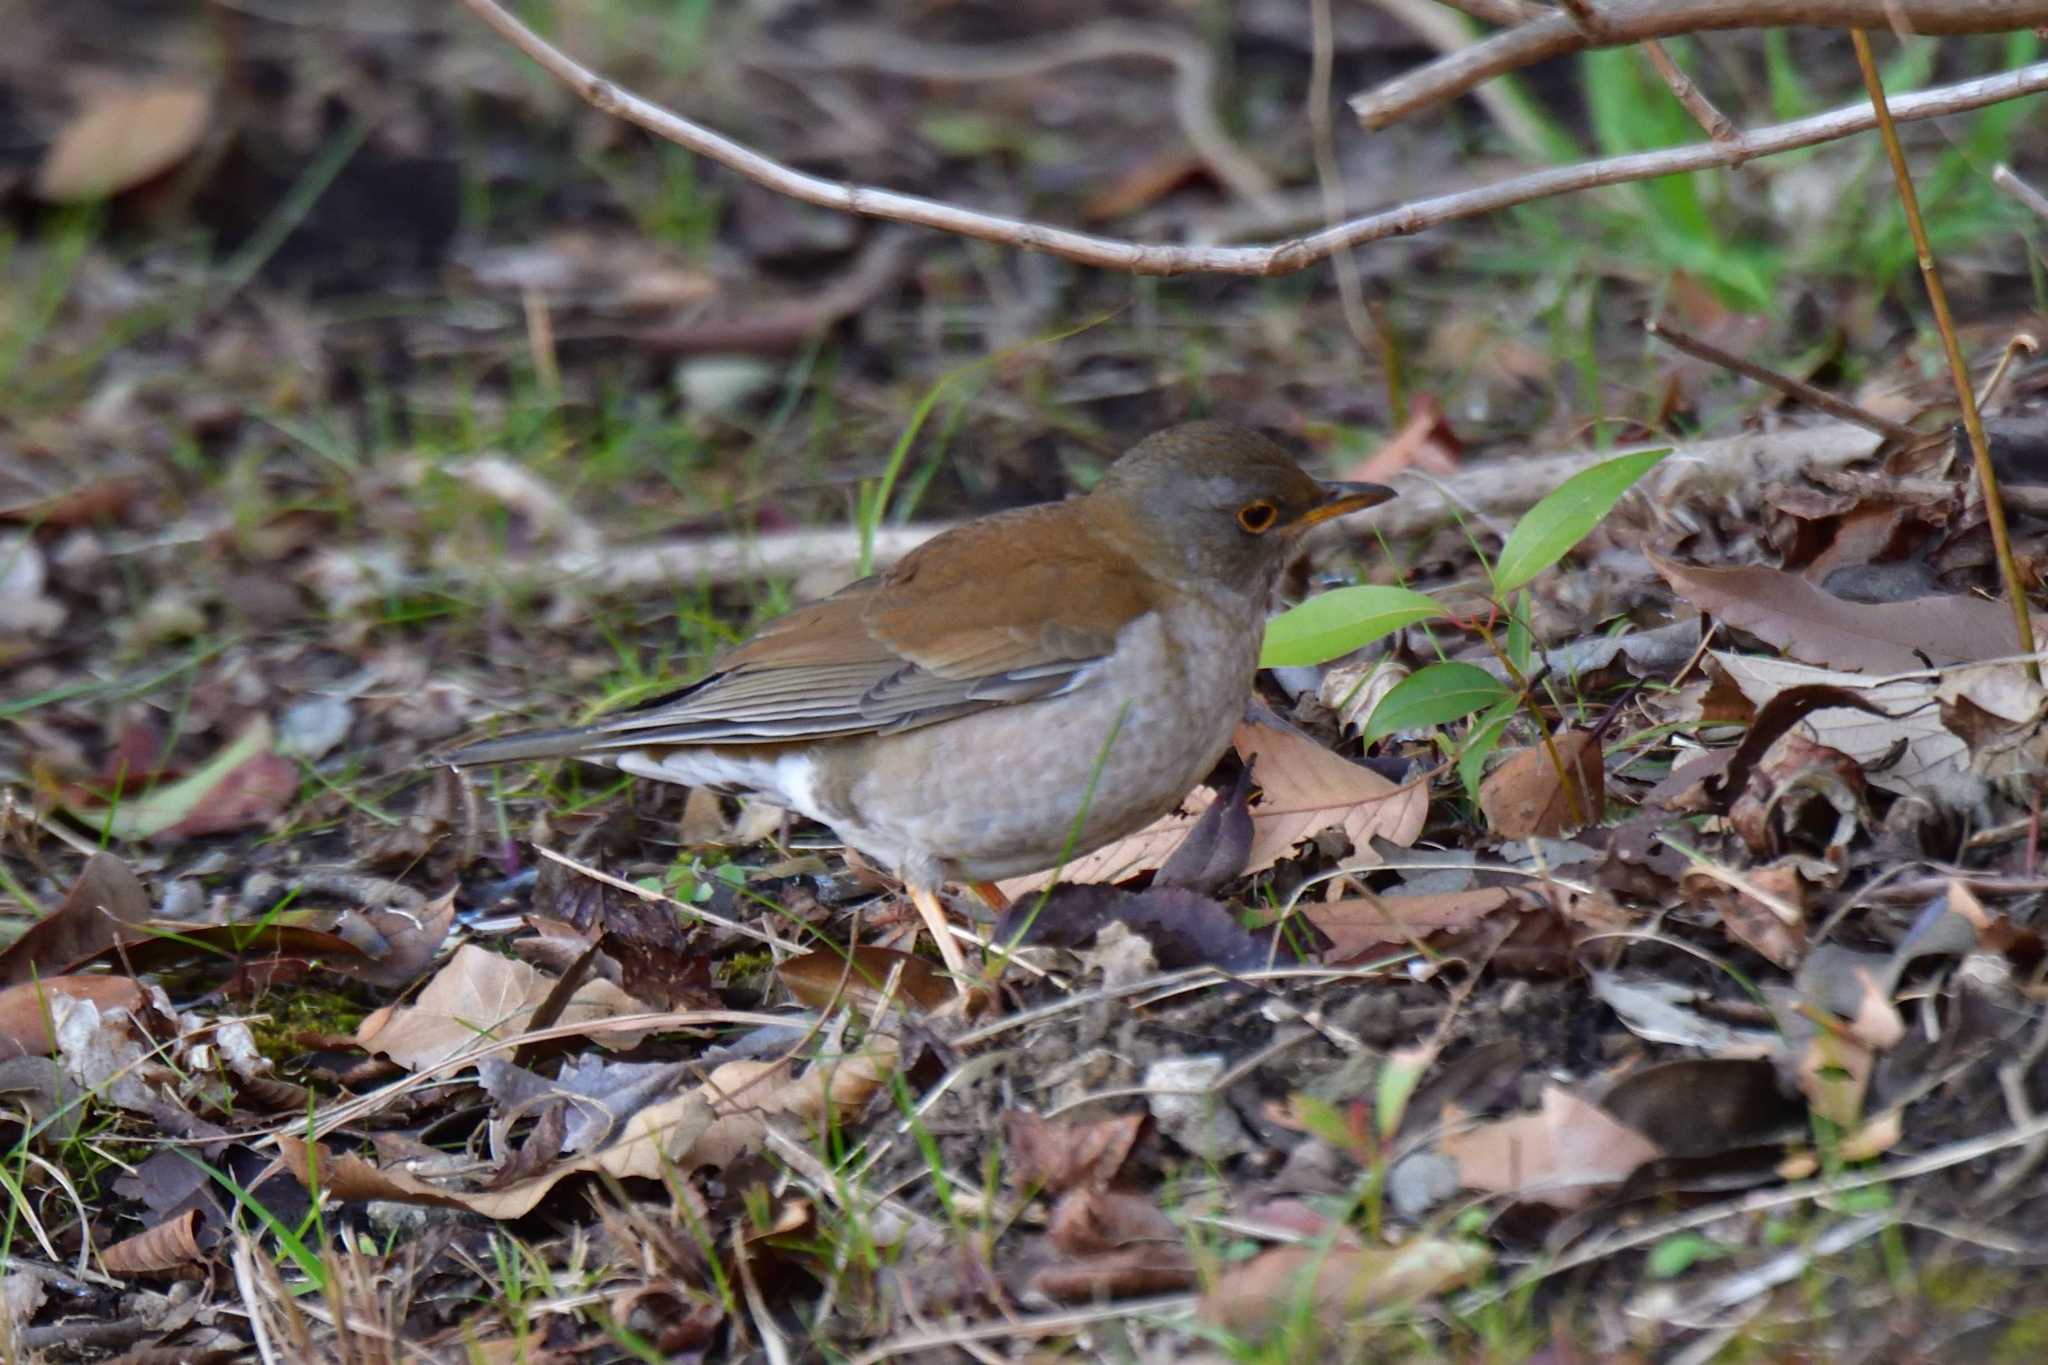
(2019, 189)
(1631, 21)
(1279, 258)
(1797, 389)
(1712, 121)
(1497, 11)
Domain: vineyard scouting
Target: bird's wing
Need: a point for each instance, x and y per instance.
(1002, 610)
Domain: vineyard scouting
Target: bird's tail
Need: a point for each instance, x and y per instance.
(575, 741)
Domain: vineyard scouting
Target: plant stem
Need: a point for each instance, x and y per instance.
(1959, 370)
(1567, 781)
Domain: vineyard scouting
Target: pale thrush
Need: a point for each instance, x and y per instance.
(1019, 690)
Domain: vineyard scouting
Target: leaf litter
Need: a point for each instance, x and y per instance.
(1348, 1038)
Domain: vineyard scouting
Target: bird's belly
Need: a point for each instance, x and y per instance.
(1017, 789)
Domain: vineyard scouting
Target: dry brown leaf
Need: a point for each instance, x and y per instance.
(1425, 442)
(1358, 924)
(479, 996)
(1117, 1245)
(1557, 1156)
(1522, 798)
(745, 1095)
(1928, 757)
(1306, 789)
(124, 135)
(25, 1008)
(1145, 851)
(1335, 1284)
(1820, 628)
(100, 910)
(172, 1245)
(824, 979)
(1754, 922)
(1057, 1157)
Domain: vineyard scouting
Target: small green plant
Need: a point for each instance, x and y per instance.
(1335, 623)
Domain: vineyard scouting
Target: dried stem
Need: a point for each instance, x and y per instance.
(2019, 189)
(1280, 258)
(1712, 121)
(1797, 389)
(1959, 370)
(1631, 21)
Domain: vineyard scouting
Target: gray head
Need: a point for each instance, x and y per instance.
(1218, 503)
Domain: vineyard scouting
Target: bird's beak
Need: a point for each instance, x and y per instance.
(1342, 499)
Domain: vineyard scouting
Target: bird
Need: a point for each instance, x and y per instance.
(1017, 691)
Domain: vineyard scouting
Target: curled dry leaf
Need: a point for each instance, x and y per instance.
(1357, 925)
(1523, 798)
(1558, 1156)
(2001, 714)
(172, 1245)
(1820, 628)
(1803, 797)
(123, 136)
(1336, 1284)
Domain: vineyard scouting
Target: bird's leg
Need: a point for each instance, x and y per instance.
(991, 895)
(926, 899)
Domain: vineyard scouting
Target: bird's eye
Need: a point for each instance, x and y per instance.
(1258, 517)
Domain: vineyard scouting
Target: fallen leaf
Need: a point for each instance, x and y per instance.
(241, 787)
(476, 998)
(1181, 927)
(1755, 923)
(1057, 1157)
(1703, 1106)
(1558, 1156)
(1820, 628)
(121, 137)
(1117, 1245)
(1358, 924)
(1426, 441)
(97, 912)
(1328, 1286)
(1214, 851)
(2000, 714)
(1523, 799)
(1928, 758)
(25, 1008)
(172, 1245)
(1304, 790)
(832, 978)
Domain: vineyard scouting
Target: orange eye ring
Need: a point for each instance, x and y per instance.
(1258, 517)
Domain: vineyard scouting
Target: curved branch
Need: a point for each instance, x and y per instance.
(1279, 258)
(1631, 21)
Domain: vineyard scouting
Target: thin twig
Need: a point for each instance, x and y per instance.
(2021, 343)
(2019, 189)
(1797, 389)
(1631, 21)
(1712, 121)
(1958, 368)
(1279, 258)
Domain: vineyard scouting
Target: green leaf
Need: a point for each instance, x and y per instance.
(1333, 624)
(1432, 696)
(1675, 1255)
(1563, 518)
(1484, 739)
